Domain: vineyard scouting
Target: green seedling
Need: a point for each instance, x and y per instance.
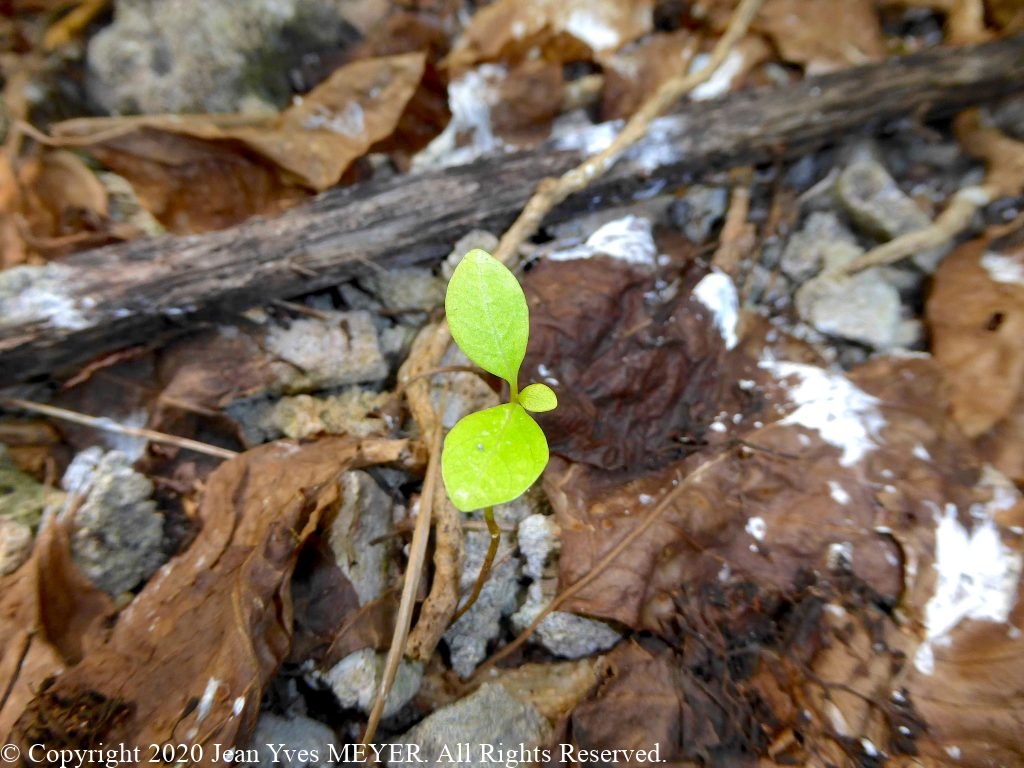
(492, 456)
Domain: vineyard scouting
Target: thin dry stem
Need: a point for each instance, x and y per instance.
(551, 192)
(109, 425)
(413, 572)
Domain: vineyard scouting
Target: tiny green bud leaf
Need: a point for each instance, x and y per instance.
(492, 456)
(488, 316)
(538, 398)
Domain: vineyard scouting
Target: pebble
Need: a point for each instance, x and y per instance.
(491, 717)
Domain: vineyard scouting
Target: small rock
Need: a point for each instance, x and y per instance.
(414, 288)
(350, 412)
(697, 212)
(356, 678)
(155, 57)
(476, 238)
(363, 517)
(863, 308)
(15, 545)
(116, 531)
(823, 241)
(564, 634)
(538, 540)
(875, 202)
(486, 719)
(326, 354)
(294, 734)
(879, 207)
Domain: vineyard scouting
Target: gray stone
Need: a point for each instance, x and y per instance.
(879, 207)
(469, 637)
(538, 540)
(486, 719)
(15, 545)
(323, 354)
(875, 202)
(822, 242)
(564, 634)
(356, 678)
(363, 517)
(414, 288)
(697, 212)
(116, 531)
(349, 412)
(863, 308)
(206, 55)
(296, 739)
(476, 238)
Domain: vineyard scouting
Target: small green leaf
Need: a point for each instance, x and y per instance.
(488, 316)
(492, 456)
(538, 398)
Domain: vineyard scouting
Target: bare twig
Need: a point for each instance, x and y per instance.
(109, 425)
(551, 192)
(413, 572)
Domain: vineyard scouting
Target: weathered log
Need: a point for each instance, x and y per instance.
(118, 296)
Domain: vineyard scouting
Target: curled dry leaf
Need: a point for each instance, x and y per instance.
(638, 365)
(203, 172)
(564, 30)
(823, 35)
(186, 662)
(976, 317)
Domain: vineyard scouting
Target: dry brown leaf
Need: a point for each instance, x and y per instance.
(212, 626)
(565, 30)
(641, 369)
(976, 317)
(1007, 14)
(984, 670)
(823, 35)
(190, 184)
(49, 613)
(634, 74)
(529, 98)
(201, 172)
(338, 121)
(1003, 156)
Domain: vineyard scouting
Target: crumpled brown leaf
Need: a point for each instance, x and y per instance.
(976, 316)
(823, 35)
(187, 660)
(564, 30)
(641, 370)
(198, 172)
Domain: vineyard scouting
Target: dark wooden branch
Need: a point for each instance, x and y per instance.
(122, 295)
